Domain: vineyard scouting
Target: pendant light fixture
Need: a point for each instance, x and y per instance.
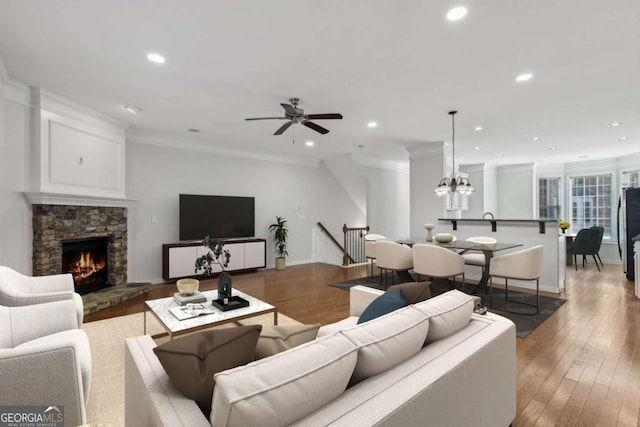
(453, 184)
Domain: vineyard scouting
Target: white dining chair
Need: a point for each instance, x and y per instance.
(437, 262)
(521, 265)
(370, 247)
(477, 258)
(394, 257)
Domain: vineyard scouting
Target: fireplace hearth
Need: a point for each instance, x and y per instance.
(87, 261)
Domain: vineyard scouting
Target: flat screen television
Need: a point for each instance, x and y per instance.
(219, 217)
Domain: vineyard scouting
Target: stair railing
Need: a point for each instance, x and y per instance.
(354, 244)
(353, 249)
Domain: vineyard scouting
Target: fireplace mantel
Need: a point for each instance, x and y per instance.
(39, 198)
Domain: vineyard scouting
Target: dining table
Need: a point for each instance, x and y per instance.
(463, 246)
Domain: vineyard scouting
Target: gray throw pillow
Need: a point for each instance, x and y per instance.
(191, 361)
(414, 292)
(277, 338)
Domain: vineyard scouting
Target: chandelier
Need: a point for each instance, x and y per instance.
(453, 184)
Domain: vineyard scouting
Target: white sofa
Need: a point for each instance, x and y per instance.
(466, 378)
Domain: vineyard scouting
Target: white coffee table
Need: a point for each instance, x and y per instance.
(173, 327)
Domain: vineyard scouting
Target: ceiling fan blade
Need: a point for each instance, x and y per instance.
(324, 116)
(283, 128)
(290, 109)
(315, 127)
(267, 118)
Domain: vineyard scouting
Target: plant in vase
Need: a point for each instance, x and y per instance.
(564, 225)
(217, 255)
(280, 234)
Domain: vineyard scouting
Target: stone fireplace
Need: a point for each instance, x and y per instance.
(55, 224)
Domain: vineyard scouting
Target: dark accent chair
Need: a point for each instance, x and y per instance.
(587, 242)
(600, 235)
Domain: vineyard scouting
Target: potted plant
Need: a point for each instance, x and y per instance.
(563, 225)
(279, 229)
(217, 255)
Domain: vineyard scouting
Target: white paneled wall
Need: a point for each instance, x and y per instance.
(76, 152)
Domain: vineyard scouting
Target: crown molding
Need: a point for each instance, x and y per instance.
(188, 145)
(65, 107)
(591, 167)
(13, 90)
(630, 162)
(39, 198)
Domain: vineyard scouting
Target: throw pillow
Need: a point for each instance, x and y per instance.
(385, 303)
(414, 292)
(448, 313)
(286, 387)
(277, 338)
(190, 362)
(387, 341)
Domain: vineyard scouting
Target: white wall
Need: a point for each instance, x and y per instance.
(490, 194)
(302, 194)
(476, 199)
(344, 169)
(388, 202)
(15, 211)
(516, 192)
(426, 171)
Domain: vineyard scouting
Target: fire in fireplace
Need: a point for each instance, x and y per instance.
(86, 260)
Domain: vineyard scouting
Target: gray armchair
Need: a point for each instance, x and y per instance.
(18, 290)
(45, 359)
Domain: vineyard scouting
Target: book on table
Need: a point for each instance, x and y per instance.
(184, 299)
(189, 311)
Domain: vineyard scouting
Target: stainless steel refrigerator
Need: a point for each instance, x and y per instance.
(628, 227)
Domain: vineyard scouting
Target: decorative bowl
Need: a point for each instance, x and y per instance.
(443, 237)
(188, 286)
(429, 226)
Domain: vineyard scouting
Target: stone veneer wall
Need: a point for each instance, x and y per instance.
(54, 223)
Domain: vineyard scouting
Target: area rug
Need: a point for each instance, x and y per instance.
(519, 314)
(106, 396)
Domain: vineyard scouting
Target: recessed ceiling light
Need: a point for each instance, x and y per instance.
(583, 156)
(457, 13)
(477, 128)
(499, 156)
(156, 57)
(309, 143)
(477, 148)
(132, 109)
(524, 77)
(615, 124)
(553, 148)
(194, 130)
(361, 146)
(372, 124)
(536, 138)
(623, 138)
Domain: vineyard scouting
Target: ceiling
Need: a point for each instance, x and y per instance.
(399, 63)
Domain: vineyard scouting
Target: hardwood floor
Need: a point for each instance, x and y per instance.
(581, 367)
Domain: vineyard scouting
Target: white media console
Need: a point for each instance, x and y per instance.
(178, 259)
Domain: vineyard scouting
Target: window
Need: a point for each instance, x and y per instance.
(631, 179)
(591, 202)
(549, 198)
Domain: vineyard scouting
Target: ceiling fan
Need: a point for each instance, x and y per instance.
(296, 115)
